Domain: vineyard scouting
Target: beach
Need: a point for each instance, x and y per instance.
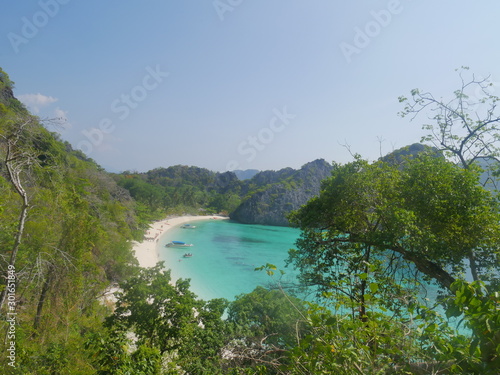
(146, 251)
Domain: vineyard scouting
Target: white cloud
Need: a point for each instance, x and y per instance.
(36, 101)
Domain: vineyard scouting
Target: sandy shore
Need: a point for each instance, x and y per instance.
(146, 251)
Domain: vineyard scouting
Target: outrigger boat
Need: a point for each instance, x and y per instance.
(178, 244)
(188, 226)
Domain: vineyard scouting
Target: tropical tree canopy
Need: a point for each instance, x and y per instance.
(426, 211)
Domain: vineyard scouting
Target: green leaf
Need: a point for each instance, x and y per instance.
(363, 276)
(373, 288)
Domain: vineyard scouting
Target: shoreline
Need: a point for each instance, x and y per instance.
(146, 252)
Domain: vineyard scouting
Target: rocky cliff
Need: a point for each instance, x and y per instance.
(281, 192)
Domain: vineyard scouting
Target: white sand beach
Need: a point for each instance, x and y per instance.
(146, 251)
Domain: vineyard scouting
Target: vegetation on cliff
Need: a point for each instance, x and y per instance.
(65, 228)
(373, 236)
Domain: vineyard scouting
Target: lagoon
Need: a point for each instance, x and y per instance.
(225, 255)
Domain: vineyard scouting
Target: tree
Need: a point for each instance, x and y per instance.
(429, 212)
(269, 314)
(166, 316)
(377, 229)
(466, 127)
(20, 154)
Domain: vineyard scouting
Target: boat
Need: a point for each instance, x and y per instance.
(188, 226)
(178, 244)
(188, 255)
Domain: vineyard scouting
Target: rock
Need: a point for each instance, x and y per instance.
(281, 192)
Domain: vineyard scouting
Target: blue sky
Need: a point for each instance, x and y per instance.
(238, 84)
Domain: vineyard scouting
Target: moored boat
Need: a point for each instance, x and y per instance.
(188, 226)
(178, 244)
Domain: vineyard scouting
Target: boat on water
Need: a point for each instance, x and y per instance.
(178, 244)
(188, 226)
(188, 255)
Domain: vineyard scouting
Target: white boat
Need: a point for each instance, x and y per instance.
(178, 244)
(188, 226)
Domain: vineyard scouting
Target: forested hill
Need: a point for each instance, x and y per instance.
(182, 189)
(65, 231)
(266, 198)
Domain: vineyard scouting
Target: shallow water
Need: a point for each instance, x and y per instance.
(225, 255)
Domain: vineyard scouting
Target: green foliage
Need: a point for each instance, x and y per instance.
(372, 230)
(480, 308)
(341, 345)
(181, 189)
(76, 240)
(269, 314)
(367, 240)
(168, 318)
(5, 80)
(111, 353)
(429, 212)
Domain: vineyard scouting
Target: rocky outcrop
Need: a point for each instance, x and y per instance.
(281, 192)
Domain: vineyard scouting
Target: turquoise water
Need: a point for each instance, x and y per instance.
(225, 255)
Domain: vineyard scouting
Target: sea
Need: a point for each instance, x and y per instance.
(225, 255)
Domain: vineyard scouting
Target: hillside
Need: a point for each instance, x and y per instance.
(372, 236)
(182, 189)
(266, 198)
(65, 232)
(272, 195)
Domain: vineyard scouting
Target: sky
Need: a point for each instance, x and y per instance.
(239, 84)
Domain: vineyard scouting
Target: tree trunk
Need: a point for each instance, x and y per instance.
(473, 267)
(14, 174)
(429, 268)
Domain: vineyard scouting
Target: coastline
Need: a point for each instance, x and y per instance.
(146, 252)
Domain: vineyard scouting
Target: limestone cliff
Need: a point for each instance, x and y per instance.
(281, 192)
